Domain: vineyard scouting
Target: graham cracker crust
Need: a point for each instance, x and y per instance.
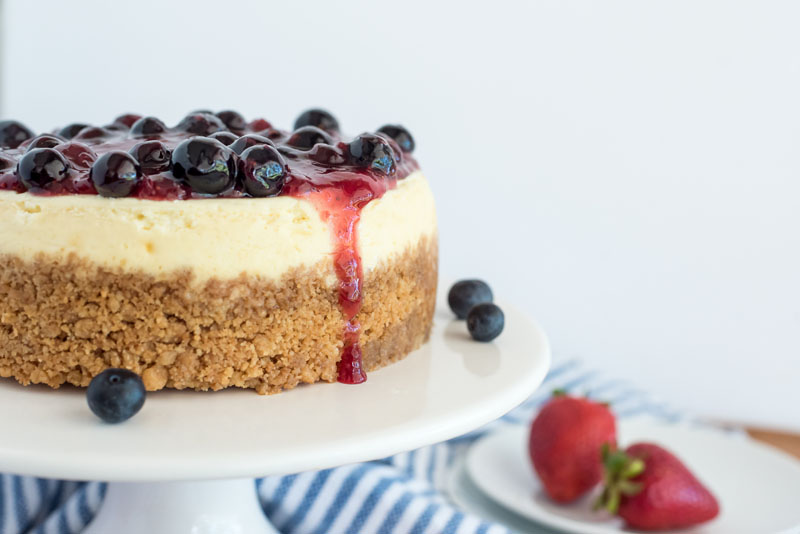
(66, 320)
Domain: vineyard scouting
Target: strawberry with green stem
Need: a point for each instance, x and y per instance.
(651, 489)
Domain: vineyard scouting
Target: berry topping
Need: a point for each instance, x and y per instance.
(153, 156)
(127, 120)
(319, 118)
(226, 138)
(71, 130)
(246, 141)
(201, 124)
(43, 141)
(92, 133)
(42, 166)
(116, 395)
(485, 321)
(467, 293)
(306, 137)
(372, 151)
(6, 163)
(326, 155)
(259, 125)
(401, 136)
(205, 165)
(115, 174)
(262, 170)
(78, 154)
(13, 133)
(148, 126)
(233, 120)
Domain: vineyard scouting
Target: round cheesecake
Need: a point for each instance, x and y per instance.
(214, 254)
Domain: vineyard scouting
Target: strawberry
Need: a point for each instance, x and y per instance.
(565, 442)
(651, 489)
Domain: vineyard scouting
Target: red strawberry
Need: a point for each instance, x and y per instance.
(565, 442)
(651, 489)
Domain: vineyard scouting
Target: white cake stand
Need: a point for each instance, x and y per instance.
(185, 463)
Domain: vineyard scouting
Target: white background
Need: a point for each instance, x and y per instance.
(628, 172)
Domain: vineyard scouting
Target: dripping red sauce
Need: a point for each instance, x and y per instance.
(338, 190)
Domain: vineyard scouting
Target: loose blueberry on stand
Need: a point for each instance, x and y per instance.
(485, 321)
(262, 170)
(246, 141)
(42, 166)
(226, 138)
(115, 174)
(43, 141)
(6, 163)
(401, 136)
(319, 118)
(201, 124)
(147, 126)
(13, 133)
(116, 395)
(372, 151)
(233, 120)
(467, 293)
(71, 130)
(306, 137)
(205, 165)
(153, 156)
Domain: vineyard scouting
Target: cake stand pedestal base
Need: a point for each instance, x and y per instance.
(213, 507)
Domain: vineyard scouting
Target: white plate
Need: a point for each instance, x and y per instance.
(757, 486)
(450, 386)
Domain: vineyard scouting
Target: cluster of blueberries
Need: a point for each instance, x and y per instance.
(472, 300)
(213, 156)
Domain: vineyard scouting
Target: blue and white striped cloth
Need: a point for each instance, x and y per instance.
(400, 494)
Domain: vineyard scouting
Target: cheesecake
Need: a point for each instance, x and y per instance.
(216, 253)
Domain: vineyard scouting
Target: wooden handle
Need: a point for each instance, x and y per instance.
(782, 440)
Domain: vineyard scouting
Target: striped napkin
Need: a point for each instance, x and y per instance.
(400, 494)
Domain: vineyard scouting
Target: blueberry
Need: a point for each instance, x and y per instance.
(71, 130)
(43, 141)
(226, 138)
(467, 293)
(127, 120)
(116, 395)
(372, 151)
(13, 133)
(148, 126)
(153, 156)
(401, 136)
(201, 124)
(115, 174)
(246, 141)
(318, 118)
(233, 120)
(262, 170)
(42, 166)
(201, 112)
(306, 137)
(485, 321)
(206, 165)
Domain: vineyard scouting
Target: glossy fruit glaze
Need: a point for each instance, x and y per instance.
(223, 156)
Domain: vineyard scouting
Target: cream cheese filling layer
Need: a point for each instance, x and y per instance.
(215, 238)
